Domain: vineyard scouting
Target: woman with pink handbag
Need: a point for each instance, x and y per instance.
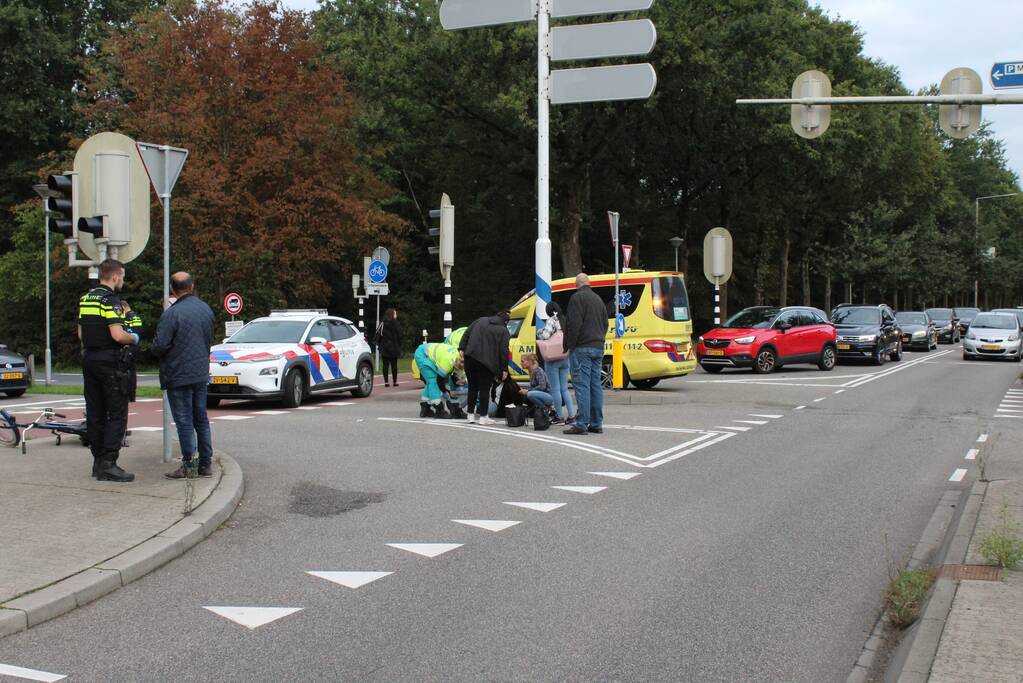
(551, 343)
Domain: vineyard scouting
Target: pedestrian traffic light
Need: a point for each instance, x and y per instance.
(94, 225)
(64, 207)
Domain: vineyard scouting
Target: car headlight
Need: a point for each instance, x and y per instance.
(919, 334)
(867, 338)
(745, 340)
(971, 336)
(699, 340)
(267, 359)
(1013, 337)
(267, 371)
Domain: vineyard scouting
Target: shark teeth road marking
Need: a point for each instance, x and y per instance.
(982, 438)
(958, 475)
(426, 549)
(588, 490)
(253, 617)
(539, 507)
(29, 674)
(800, 408)
(350, 579)
(751, 422)
(617, 475)
(488, 524)
(738, 429)
(972, 454)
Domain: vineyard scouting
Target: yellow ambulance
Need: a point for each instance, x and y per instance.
(658, 327)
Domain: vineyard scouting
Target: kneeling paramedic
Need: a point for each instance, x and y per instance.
(436, 362)
(106, 370)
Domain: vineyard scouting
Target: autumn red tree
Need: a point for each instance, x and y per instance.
(276, 198)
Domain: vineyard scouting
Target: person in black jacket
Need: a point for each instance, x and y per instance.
(183, 339)
(388, 340)
(584, 340)
(484, 346)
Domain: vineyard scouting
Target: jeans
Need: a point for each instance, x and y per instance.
(188, 406)
(540, 399)
(557, 375)
(588, 391)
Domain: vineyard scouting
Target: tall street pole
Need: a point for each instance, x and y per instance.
(976, 240)
(166, 197)
(45, 193)
(543, 161)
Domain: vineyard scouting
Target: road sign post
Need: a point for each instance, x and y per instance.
(378, 287)
(717, 264)
(617, 346)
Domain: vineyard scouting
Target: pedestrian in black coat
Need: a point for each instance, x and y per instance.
(388, 340)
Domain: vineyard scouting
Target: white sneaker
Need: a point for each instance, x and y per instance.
(486, 421)
(472, 418)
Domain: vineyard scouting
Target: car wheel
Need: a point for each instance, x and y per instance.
(765, 362)
(828, 359)
(897, 353)
(645, 384)
(965, 357)
(294, 389)
(606, 379)
(712, 369)
(365, 379)
(212, 403)
(880, 355)
(15, 393)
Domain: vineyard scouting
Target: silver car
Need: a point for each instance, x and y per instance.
(993, 335)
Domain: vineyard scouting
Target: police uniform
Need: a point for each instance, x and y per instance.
(133, 324)
(106, 377)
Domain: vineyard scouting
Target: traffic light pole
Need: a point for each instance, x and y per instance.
(46, 231)
(447, 305)
(543, 161)
(166, 197)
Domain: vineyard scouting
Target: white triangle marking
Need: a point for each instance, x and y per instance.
(350, 579)
(426, 549)
(539, 507)
(253, 617)
(616, 475)
(588, 490)
(488, 524)
(30, 674)
(339, 404)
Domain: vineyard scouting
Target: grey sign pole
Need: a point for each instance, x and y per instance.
(45, 193)
(164, 164)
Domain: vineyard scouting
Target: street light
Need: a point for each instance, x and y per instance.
(45, 193)
(676, 242)
(976, 238)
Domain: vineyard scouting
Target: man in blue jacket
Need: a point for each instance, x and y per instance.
(184, 336)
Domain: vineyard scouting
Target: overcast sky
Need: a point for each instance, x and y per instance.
(926, 38)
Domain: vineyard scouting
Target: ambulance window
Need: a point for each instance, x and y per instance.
(671, 301)
(628, 301)
(514, 325)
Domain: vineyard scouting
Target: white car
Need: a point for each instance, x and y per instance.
(289, 355)
(994, 335)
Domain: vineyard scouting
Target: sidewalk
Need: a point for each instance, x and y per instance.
(68, 539)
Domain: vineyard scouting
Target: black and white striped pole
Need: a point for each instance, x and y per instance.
(717, 264)
(447, 305)
(356, 281)
(717, 304)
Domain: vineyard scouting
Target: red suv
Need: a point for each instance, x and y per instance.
(765, 338)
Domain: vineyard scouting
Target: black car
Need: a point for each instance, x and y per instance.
(947, 322)
(14, 375)
(966, 316)
(918, 330)
(867, 333)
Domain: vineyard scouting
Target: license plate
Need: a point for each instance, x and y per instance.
(224, 380)
(715, 352)
(12, 375)
(844, 347)
(991, 347)
(905, 340)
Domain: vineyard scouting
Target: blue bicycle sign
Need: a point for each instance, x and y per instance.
(377, 272)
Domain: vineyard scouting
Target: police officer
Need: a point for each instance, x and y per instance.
(106, 350)
(132, 324)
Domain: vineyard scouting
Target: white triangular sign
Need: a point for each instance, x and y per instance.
(539, 507)
(626, 255)
(426, 549)
(488, 524)
(616, 475)
(351, 579)
(253, 617)
(588, 490)
(163, 164)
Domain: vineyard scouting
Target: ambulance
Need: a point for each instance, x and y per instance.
(658, 338)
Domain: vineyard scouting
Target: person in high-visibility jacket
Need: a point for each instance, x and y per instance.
(436, 362)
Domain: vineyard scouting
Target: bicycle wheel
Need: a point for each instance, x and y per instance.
(9, 434)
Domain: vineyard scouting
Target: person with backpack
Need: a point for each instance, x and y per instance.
(388, 340)
(550, 342)
(538, 394)
(484, 346)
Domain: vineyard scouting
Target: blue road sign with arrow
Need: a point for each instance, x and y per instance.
(620, 325)
(378, 272)
(1007, 75)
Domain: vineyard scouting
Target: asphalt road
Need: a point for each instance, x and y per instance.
(753, 544)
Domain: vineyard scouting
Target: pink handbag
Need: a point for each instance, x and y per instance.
(553, 348)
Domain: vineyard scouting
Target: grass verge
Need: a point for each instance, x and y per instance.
(1002, 545)
(905, 595)
(76, 390)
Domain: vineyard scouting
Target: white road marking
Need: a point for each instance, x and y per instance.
(1009, 410)
(972, 454)
(233, 418)
(818, 400)
(308, 408)
(1011, 417)
(253, 617)
(350, 579)
(840, 391)
(738, 429)
(270, 412)
(751, 422)
(800, 408)
(29, 674)
(132, 414)
(338, 404)
(982, 438)
(617, 475)
(958, 475)
(426, 549)
(488, 524)
(588, 490)
(770, 417)
(898, 368)
(146, 429)
(539, 507)
(642, 428)
(42, 404)
(148, 400)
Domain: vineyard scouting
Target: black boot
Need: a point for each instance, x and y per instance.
(425, 410)
(440, 413)
(456, 411)
(109, 471)
(95, 467)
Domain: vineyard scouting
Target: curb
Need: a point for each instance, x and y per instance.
(82, 588)
(916, 667)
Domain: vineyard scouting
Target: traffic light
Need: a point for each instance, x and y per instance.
(445, 248)
(94, 225)
(63, 208)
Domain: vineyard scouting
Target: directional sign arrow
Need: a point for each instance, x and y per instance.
(603, 83)
(584, 8)
(457, 14)
(1005, 75)
(596, 41)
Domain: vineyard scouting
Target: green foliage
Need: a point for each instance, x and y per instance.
(1002, 545)
(905, 595)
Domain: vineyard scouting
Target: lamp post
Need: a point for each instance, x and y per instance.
(976, 237)
(45, 193)
(676, 242)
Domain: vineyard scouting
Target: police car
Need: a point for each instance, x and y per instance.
(289, 355)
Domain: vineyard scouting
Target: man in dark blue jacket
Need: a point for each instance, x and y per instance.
(183, 339)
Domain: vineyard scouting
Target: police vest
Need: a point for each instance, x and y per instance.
(98, 309)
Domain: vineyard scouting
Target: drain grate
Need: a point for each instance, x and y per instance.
(973, 572)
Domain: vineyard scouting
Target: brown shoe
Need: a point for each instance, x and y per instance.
(180, 473)
(206, 471)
